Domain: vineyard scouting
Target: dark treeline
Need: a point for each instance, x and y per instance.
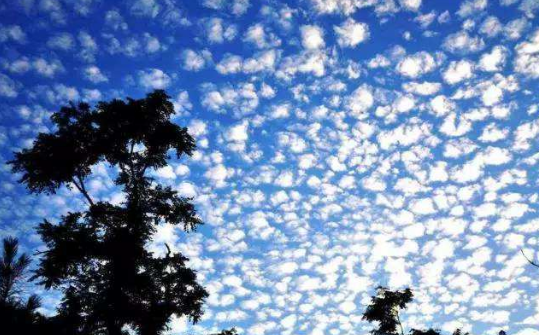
(110, 283)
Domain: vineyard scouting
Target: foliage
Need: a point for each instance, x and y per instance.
(384, 309)
(424, 332)
(15, 314)
(98, 257)
(231, 331)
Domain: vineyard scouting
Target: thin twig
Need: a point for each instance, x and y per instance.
(529, 260)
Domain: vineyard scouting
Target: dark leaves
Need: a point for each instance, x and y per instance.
(111, 132)
(15, 314)
(384, 309)
(424, 332)
(231, 331)
(11, 269)
(98, 257)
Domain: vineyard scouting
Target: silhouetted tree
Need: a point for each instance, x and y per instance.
(424, 332)
(15, 313)
(384, 309)
(231, 331)
(98, 257)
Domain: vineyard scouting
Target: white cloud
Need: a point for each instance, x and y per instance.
(359, 102)
(8, 88)
(47, 68)
(441, 105)
(310, 62)
(61, 41)
(528, 331)
(93, 74)
(527, 56)
(289, 321)
(217, 175)
(12, 33)
(312, 37)
(195, 61)
(491, 27)
(261, 61)
(458, 71)
(257, 35)
(514, 29)
(492, 95)
(412, 5)
(416, 65)
(351, 33)
(493, 61)
(240, 7)
(230, 64)
(241, 99)
(238, 133)
(463, 43)
(236, 7)
(153, 79)
(491, 133)
(423, 207)
(470, 7)
(423, 88)
(219, 31)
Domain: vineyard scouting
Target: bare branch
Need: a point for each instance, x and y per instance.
(529, 260)
(82, 189)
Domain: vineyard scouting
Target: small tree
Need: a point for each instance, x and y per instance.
(98, 256)
(384, 309)
(15, 314)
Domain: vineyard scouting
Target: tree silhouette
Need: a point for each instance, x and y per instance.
(384, 309)
(231, 331)
(15, 314)
(424, 332)
(98, 256)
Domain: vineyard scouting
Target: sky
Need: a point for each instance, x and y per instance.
(342, 145)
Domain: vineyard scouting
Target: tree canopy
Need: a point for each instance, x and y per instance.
(98, 257)
(384, 309)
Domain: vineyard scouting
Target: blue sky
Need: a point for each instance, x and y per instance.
(342, 144)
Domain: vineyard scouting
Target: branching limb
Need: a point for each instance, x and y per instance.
(79, 184)
(529, 260)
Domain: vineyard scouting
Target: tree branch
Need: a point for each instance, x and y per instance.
(400, 324)
(82, 189)
(168, 250)
(529, 260)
